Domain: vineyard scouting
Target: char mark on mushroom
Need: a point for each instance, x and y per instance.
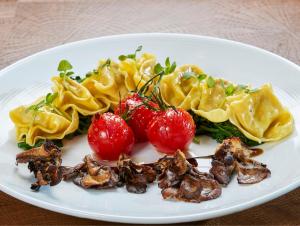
(234, 156)
(44, 162)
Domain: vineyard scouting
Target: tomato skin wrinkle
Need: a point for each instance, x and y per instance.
(139, 117)
(171, 130)
(109, 136)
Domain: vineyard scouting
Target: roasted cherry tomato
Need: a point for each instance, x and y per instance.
(109, 136)
(138, 115)
(172, 129)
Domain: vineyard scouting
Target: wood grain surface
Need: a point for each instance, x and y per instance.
(28, 26)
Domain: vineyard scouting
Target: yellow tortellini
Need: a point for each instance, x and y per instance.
(212, 101)
(179, 91)
(260, 115)
(72, 94)
(106, 85)
(45, 123)
(137, 72)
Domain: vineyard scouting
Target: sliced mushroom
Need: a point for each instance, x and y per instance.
(250, 172)
(181, 181)
(222, 172)
(234, 156)
(90, 174)
(44, 162)
(135, 176)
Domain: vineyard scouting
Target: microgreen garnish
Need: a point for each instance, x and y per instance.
(45, 102)
(106, 64)
(50, 98)
(189, 74)
(158, 68)
(229, 90)
(201, 77)
(78, 79)
(131, 56)
(64, 68)
(168, 69)
(210, 82)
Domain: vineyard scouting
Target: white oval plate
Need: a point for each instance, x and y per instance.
(29, 78)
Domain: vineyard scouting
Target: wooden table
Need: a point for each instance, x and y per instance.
(28, 26)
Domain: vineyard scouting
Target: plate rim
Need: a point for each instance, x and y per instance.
(146, 220)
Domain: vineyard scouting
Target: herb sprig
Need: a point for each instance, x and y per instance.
(65, 67)
(210, 82)
(47, 101)
(131, 56)
(168, 69)
(189, 74)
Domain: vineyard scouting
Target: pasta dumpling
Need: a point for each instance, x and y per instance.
(212, 101)
(106, 85)
(138, 72)
(72, 94)
(260, 115)
(43, 124)
(178, 91)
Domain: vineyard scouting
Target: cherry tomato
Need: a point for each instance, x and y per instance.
(139, 115)
(109, 136)
(171, 130)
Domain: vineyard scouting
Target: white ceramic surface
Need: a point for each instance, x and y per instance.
(29, 78)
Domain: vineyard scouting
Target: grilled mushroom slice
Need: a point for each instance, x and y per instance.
(91, 174)
(44, 162)
(181, 181)
(134, 176)
(250, 172)
(234, 156)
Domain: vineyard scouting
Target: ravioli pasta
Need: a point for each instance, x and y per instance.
(258, 115)
(46, 123)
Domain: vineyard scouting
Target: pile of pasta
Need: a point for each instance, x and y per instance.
(259, 115)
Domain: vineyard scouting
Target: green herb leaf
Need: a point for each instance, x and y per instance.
(131, 56)
(167, 62)
(36, 107)
(158, 68)
(69, 73)
(78, 79)
(50, 98)
(122, 57)
(172, 68)
(201, 77)
(107, 63)
(210, 82)
(64, 66)
(139, 48)
(229, 90)
(188, 74)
